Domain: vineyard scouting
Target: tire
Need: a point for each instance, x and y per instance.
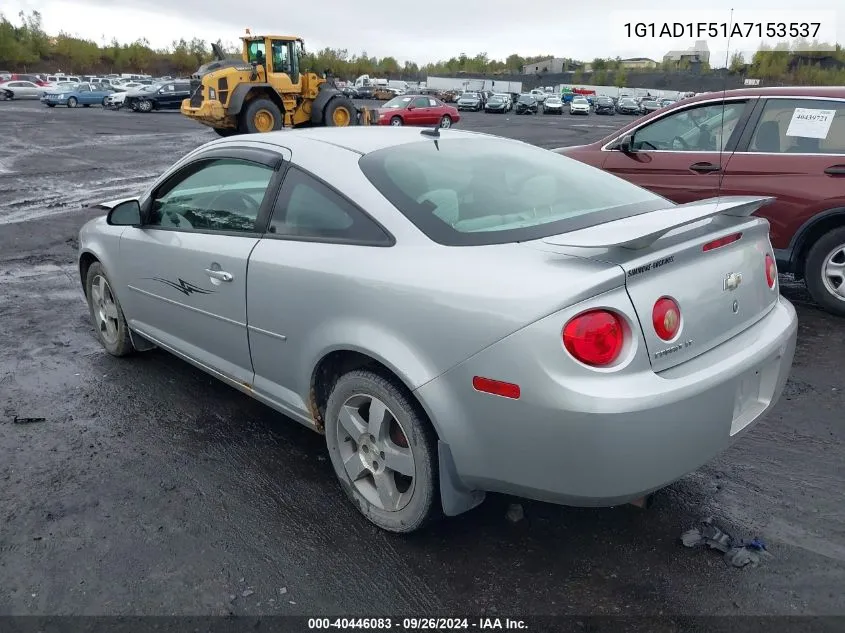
(830, 247)
(417, 503)
(261, 115)
(110, 327)
(340, 112)
(86, 105)
(397, 121)
(145, 105)
(103, 103)
(72, 102)
(445, 121)
(51, 105)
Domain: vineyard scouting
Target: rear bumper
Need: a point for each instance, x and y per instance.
(604, 439)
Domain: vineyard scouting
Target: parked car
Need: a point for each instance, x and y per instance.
(166, 96)
(526, 104)
(470, 101)
(553, 105)
(788, 143)
(647, 106)
(539, 95)
(667, 102)
(365, 92)
(351, 92)
(417, 110)
(73, 95)
(377, 290)
(498, 103)
(605, 105)
(579, 105)
(627, 105)
(20, 89)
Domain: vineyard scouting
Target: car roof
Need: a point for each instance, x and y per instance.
(359, 139)
(774, 91)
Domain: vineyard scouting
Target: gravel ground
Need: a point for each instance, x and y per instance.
(150, 488)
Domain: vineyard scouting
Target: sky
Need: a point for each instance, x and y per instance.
(430, 30)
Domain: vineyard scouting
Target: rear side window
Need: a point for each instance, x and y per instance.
(800, 126)
(307, 208)
(473, 191)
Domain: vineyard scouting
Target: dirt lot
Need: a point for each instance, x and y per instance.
(150, 488)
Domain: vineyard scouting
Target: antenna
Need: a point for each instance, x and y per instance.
(722, 140)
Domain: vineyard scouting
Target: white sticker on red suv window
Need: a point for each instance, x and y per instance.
(810, 123)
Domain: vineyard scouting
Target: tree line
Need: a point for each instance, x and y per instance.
(25, 47)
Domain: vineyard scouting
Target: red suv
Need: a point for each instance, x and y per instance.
(788, 143)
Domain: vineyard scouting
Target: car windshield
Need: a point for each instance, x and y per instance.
(552, 100)
(580, 100)
(469, 95)
(398, 102)
(526, 99)
(464, 191)
(627, 102)
(65, 85)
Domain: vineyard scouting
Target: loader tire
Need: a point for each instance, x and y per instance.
(261, 115)
(340, 112)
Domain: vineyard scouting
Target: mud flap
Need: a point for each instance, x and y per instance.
(455, 497)
(140, 343)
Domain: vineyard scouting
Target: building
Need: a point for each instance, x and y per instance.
(553, 65)
(638, 63)
(698, 54)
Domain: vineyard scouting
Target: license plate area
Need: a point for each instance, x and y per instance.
(749, 401)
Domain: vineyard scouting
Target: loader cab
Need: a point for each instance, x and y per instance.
(280, 58)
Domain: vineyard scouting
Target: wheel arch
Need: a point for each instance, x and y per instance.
(246, 92)
(86, 258)
(811, 231)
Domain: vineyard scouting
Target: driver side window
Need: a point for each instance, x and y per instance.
(222, 195)
(699, 129)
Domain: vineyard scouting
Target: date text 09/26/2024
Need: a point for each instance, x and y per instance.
(745, 30)
(417, 624)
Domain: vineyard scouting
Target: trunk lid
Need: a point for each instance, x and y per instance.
(721, 291)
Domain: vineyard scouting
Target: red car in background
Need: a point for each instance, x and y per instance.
(783, 142)
(417, 110)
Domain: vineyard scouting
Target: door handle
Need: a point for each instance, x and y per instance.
(836, 170)
(222, 275)
(705, 168)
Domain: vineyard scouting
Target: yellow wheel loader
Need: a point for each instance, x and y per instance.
(267, 90)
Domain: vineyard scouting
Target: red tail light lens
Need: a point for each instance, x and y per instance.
(722, 241)
(771, 271)
(595, 337)
(666, 318)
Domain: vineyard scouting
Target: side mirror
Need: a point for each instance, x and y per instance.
(125, 214)
(626, 144)
(411, 106)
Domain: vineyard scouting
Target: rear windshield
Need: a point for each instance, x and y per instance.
(468, 191)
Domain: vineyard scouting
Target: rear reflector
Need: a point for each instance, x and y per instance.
(496, 387)
(722, 241)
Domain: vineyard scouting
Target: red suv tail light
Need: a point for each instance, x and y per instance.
(771, 271)
(666, 318)
(595, 337)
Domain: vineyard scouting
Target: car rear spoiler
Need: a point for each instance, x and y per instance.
(641, 231)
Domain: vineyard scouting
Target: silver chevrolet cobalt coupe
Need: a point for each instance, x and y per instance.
(456, 312)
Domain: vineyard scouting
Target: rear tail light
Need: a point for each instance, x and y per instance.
(595, 337)
(666, 318)
(722, 241)
(771, 271)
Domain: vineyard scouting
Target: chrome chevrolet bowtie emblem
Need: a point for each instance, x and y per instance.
(732, 281)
